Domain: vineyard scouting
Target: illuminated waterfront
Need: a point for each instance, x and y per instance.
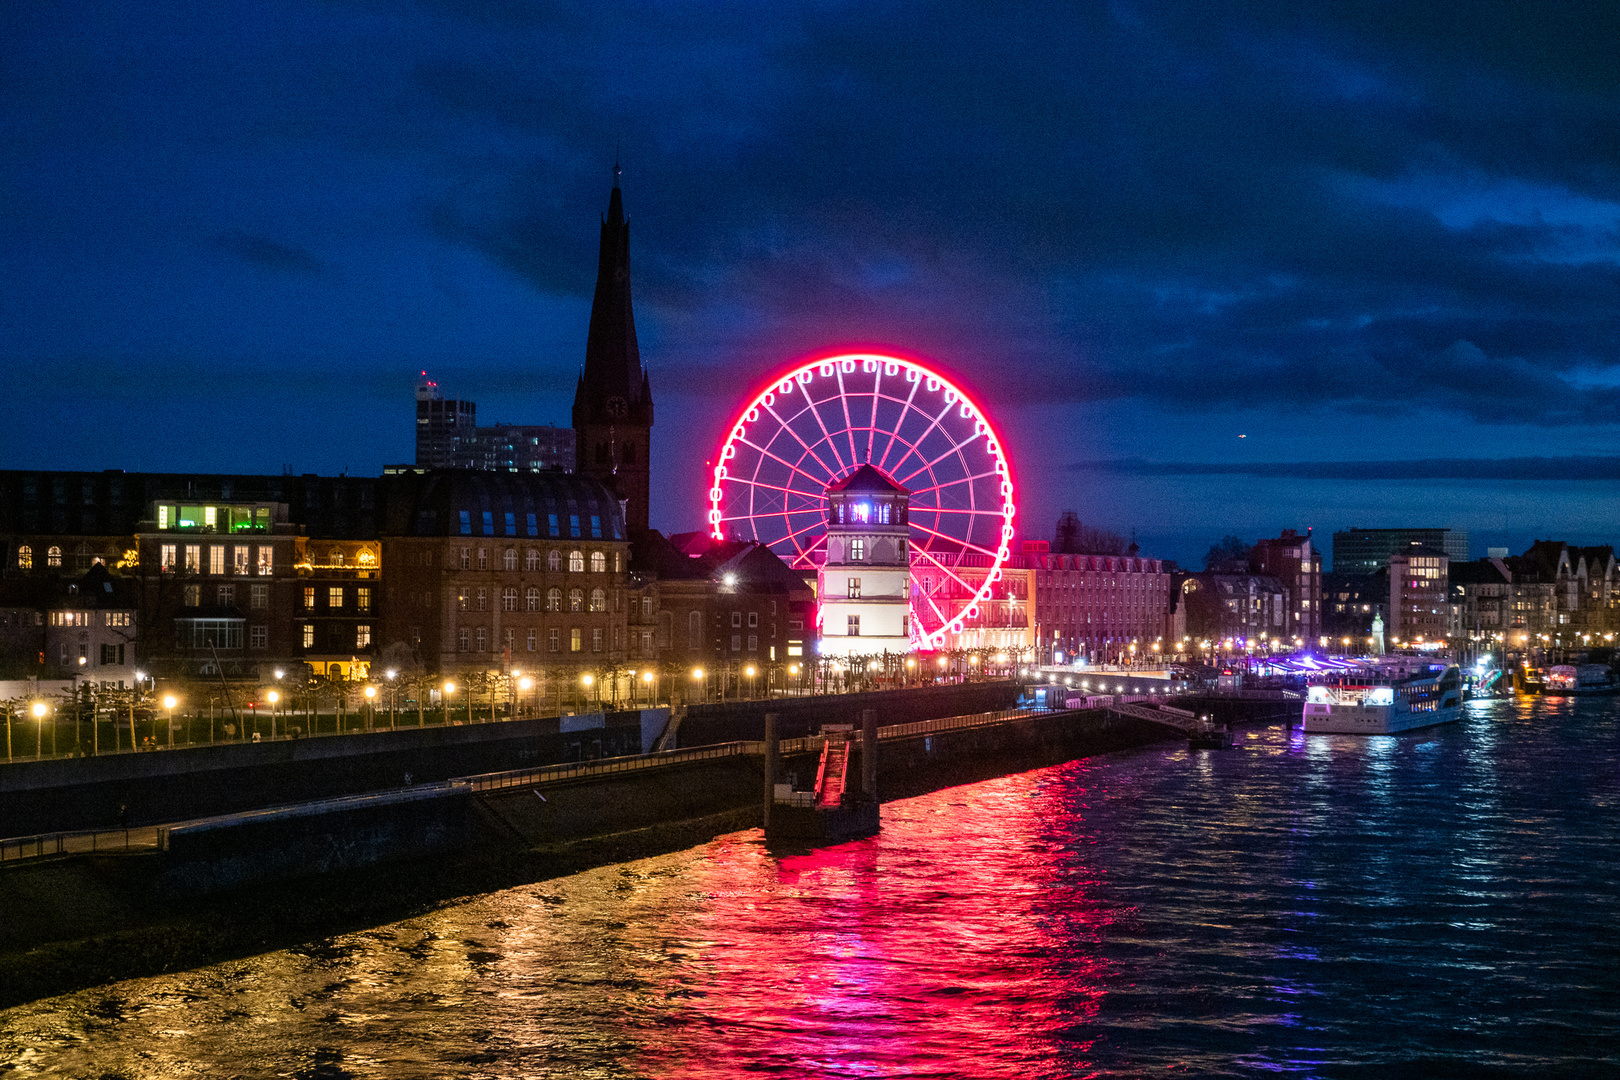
(1434, 903)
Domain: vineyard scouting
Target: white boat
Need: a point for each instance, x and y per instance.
(1372, 704)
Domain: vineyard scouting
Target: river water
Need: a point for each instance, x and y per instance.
(1441, 903)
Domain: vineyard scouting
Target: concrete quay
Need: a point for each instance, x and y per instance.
(238, 884)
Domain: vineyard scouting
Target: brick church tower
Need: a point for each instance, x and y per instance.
(613, 407)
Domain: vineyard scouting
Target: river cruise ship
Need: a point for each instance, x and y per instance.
(1372, 703)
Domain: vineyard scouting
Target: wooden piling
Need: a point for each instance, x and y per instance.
(869, 753)
(773, 749)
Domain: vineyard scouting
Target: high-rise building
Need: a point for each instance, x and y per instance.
(444, 429)
(1367, 551)
(613, 407)
(520, 448)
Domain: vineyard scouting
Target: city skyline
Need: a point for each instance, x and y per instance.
(1184, 260)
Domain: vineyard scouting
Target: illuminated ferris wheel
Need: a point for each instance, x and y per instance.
(819, 422)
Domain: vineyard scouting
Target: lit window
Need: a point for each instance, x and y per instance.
(363, 598)
(510, 559)
(576, 562)
(553, 599)
(598, 562)
(25, 557)
(334, 596)
(598, 600)
(193, 595)
(362, 636)
(309, 635)
(576, 639)
(367, 558)
(857, 549)
(576, 599)
(240, 557)
(266, 562)
(193, 558)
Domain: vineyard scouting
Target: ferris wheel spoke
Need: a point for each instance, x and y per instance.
(928, 466)
(905, 408)
(799, 439)
(849, 422)
(954, 540)
(791, 426)
(826, 435)
(817, 483)
(953, 483)
(947, 571)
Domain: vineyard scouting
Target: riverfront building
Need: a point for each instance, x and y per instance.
(1099, 607)
(1292, 560)
(865, 583)
(1419, 594)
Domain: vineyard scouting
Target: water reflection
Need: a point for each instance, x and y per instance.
(1438, 903)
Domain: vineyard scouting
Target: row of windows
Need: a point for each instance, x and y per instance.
(510, 520)
(241, 559)
(83, 558)
(225, 596)
(227, 634)
(90, 618)
(476, 639)
(554, 560)
(466, 600)
(334, 597)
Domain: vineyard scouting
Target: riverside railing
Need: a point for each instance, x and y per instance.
(605, 766)
(155, 837)
(89, 842)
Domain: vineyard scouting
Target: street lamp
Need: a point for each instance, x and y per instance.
(40, 709)
(272, 697)
(169, 702)
(449, 688)
(371, 708)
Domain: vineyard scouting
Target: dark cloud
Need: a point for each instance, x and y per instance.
(1186, 207)
(268, 254)
(1552, 469)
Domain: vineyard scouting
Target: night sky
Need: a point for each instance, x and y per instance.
(233, 232)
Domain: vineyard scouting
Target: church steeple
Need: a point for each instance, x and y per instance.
(613, 409)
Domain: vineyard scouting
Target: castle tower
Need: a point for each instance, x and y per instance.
(865, 583)
(613, 408)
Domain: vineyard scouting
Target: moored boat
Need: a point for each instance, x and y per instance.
(1372, 703)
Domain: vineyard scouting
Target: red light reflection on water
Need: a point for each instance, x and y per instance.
(961, 941)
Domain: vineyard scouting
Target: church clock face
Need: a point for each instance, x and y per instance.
(617, 408)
